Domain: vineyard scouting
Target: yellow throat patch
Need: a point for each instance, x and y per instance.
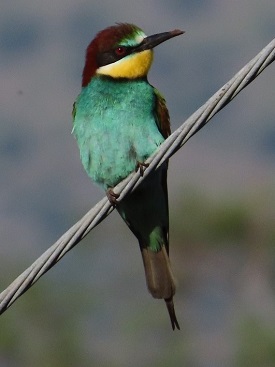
(134, 66)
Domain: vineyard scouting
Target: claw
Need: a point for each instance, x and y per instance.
(112, 196)
(141, 167)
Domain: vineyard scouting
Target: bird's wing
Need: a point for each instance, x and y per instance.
(163, 123)
(162, 115)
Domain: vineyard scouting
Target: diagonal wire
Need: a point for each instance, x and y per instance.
(103, 208)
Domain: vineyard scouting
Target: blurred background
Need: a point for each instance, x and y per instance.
(92, 308)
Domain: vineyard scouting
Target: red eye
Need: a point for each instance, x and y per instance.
(120, 51)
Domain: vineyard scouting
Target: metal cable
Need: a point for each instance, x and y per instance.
(103, 208)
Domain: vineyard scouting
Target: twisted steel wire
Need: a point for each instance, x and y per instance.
(103, 208)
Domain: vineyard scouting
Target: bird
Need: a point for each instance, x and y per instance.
(119, 120)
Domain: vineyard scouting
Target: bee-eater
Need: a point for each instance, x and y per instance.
(119, 121)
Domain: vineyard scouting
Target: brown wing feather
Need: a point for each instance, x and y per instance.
(162, 115)
(164, 274)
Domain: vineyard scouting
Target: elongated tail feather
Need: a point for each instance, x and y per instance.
(146, 213)
(170, 307)
(160, 279)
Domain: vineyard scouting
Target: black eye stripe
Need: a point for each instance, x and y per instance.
(109, 57)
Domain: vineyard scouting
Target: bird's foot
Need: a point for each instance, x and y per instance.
(112, 196)
(141, 166)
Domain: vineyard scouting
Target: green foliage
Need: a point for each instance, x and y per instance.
(226, 220)
(256, 345)
(42, 328)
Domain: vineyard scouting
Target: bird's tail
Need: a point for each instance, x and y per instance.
(160, 279)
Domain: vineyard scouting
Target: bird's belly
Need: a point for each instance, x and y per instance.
(115, 151)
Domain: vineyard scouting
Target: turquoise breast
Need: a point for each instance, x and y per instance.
(115, 127)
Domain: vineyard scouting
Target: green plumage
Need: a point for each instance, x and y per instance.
(118, 123)
(115, 127)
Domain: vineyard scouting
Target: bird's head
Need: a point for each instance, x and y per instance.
(122, 51)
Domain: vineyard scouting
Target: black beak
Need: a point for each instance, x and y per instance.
(154, 40)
